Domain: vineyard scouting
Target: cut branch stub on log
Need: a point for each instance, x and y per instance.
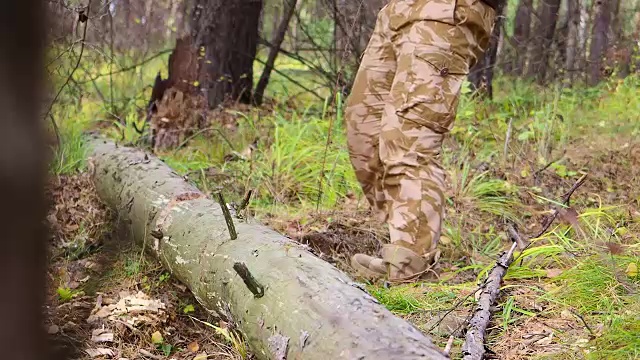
(295, 296)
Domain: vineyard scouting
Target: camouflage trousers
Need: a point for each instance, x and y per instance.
(403, 102)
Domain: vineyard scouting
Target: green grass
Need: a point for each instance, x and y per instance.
(294, 166)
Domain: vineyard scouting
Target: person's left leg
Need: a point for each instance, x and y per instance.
(363, 114)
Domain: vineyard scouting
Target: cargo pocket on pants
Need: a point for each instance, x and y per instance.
(431, 91)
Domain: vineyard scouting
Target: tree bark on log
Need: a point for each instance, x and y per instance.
(288, 303)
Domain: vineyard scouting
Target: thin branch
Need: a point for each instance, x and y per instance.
(55, 129)
(473, 347)
(293, 80)
(84, 37)
(447, 349)
(129, 68)
(574, 312)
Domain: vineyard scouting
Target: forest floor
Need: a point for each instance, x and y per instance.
(574, 293)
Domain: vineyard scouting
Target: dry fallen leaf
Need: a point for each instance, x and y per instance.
(101, 335)
(201, 356)
(632, 270)
(445, 240)
(551, 273)
(615, 249)
(568, 216)
(193, 346)
(156, 338)
(99, 352)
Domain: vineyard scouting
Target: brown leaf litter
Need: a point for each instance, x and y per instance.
(77, 218)
(120, 311)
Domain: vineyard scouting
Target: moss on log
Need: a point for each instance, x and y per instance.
(288, 303)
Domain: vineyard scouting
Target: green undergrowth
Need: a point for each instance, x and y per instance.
(299, 169)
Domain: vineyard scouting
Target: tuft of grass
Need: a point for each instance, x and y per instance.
(417, 298)
(620, 340)
(69, 156)
(593, 286)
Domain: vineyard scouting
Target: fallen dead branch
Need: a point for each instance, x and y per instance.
(473, 347)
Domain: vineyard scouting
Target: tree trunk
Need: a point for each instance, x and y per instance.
(583, 36)
(288, 303)
(278, 38)
(573, 23)
(481, 76)
(617, 31)
(599, 40)
(521, 31)
(24, 236)
(227, 32)
(544, 30)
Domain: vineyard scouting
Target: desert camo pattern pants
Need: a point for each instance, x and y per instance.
(403, 102)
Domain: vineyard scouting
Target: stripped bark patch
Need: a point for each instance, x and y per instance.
(164, 217)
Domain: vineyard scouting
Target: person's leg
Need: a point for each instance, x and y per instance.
(363, 114)
(436, 42)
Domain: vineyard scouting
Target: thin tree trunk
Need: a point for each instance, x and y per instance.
(521, 31)
(277, 40)
(583, 36)
(481, 76)
(573, 23)
(599, 40)
(542, 40)
(24, 236)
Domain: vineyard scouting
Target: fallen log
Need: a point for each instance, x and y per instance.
(288, 303)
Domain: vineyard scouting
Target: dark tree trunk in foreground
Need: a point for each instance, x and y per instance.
(23, 240)
(543, 32)
(481, 75)
(287, 302)
(278, 38)
(227, 31)
(599, 40)
(521, 31)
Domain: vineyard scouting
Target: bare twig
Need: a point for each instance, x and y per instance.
(537, 173)
(292, 80)
(56, 130)
(456, 305)
(565, 201)
(82, 45)
(577, 314)
(128, 68)
(113, 110)
(473, 347)
(522, 244)
(447, 349)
